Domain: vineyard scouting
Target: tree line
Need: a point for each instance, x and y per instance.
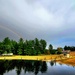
(71, 48)
(23, 47)
(29, 47)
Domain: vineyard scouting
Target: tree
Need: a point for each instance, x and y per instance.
(43, 45)
(59, 50)
(8, 48)
(65, 48)
(7, 45)
(21, 46)
(6, 41)
(50, 48)
(21, 43)
(36, 45)
(19, 51)
(1, 47)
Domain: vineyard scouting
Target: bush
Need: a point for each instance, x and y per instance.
(53, 51)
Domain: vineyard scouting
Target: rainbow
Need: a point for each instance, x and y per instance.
(13, 31)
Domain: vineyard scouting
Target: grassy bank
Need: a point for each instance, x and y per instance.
(58, 58)
(17, 57)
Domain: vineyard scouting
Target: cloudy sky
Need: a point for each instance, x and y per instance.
(51, 20)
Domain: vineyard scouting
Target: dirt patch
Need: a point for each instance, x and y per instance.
(72, 53)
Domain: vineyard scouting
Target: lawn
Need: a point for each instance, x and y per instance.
(40, 57)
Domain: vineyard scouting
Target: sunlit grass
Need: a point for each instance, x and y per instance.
(39, 57)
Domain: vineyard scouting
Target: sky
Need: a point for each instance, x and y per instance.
(51, 20)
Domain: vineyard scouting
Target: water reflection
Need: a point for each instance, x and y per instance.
(27, 66)
(52, 63)
(21, 67)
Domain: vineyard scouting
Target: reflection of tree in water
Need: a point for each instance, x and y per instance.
(27, 66)
(2, 68)
(44, 67)
(37, 67)
(5, 66)
(52, 63)
(18, 67)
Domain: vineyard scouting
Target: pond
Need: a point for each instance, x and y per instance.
(23, 67)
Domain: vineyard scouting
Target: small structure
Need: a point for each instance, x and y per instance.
(7, 54)
(66, 53)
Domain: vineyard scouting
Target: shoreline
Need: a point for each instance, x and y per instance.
(57, 58)
(69, 61)
(39, 57)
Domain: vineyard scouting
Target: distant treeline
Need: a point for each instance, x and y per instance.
(71, 48)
